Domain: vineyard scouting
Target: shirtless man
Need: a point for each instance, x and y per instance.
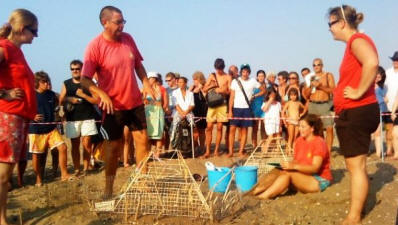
(233, 71)
(217, 114)
(319, 94)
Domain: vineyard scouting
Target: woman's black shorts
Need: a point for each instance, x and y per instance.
(354, 127)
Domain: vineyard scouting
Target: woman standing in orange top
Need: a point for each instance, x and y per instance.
(355, 102)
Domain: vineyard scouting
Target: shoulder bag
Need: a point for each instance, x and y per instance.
(214, 99)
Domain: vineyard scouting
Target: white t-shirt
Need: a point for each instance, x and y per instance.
(182, 102)
(248, 86)
(391, 84)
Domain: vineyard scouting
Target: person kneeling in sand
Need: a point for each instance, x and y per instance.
(310, 169)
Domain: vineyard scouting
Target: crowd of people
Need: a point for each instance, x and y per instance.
(275, 105)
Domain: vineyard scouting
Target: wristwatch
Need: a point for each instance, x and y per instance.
(3, 93)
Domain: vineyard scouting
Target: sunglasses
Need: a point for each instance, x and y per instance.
(292, 78)
(314, 65)
(44, 81)
(75, 69)
(119, 22)
(332, 23)
(33, 31)
(168, 80)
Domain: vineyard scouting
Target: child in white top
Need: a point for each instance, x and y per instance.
(272, 116)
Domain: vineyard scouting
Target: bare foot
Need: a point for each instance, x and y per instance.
(20, 183)
(205, 156)
(349, 221)
(216, 153)
(230, 155)
(242, 155)
(68, 178)
(262, 196)
(76, 174)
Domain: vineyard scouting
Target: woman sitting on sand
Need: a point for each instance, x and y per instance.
(310, 169)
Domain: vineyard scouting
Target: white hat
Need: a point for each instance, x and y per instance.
(152, 74)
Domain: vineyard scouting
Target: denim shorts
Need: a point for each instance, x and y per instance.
(242, 113)
(323, 183)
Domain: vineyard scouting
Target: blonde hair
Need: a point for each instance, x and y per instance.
(18, 19)
(271, 74)
(199, 76)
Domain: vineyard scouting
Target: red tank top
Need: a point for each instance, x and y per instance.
(15, 73)
(350, 75)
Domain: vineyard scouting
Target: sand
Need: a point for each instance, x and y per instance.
(58, 202)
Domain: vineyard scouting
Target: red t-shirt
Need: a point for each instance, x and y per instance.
(350, 75)
(304, 152)
(15, 73)
(115, 64)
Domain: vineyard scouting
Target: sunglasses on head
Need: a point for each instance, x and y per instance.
(336, 21)
(33, 31)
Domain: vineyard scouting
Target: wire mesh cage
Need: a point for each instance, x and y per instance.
(275, 151)
(167, 189)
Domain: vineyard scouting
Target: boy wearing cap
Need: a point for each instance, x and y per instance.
(391, 84)
(221, 82)
(239, 106)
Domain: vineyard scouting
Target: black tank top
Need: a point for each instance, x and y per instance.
(82, 111)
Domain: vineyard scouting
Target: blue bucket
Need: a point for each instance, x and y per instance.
(246, 177)
(219, 178)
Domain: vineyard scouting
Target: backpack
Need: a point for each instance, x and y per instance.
(182, 138)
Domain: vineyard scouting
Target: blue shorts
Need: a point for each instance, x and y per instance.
(243, 113)
(323, 183)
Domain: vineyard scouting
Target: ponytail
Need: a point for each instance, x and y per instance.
(5, 30)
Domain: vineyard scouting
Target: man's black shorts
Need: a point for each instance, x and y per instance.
(113, 125)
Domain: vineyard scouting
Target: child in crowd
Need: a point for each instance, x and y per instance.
(272, 108)
(291, 113)
(43, 136)
(380, 91)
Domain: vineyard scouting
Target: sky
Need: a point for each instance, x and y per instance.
(188, 35)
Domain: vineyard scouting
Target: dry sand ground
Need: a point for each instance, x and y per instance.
(64, 203)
